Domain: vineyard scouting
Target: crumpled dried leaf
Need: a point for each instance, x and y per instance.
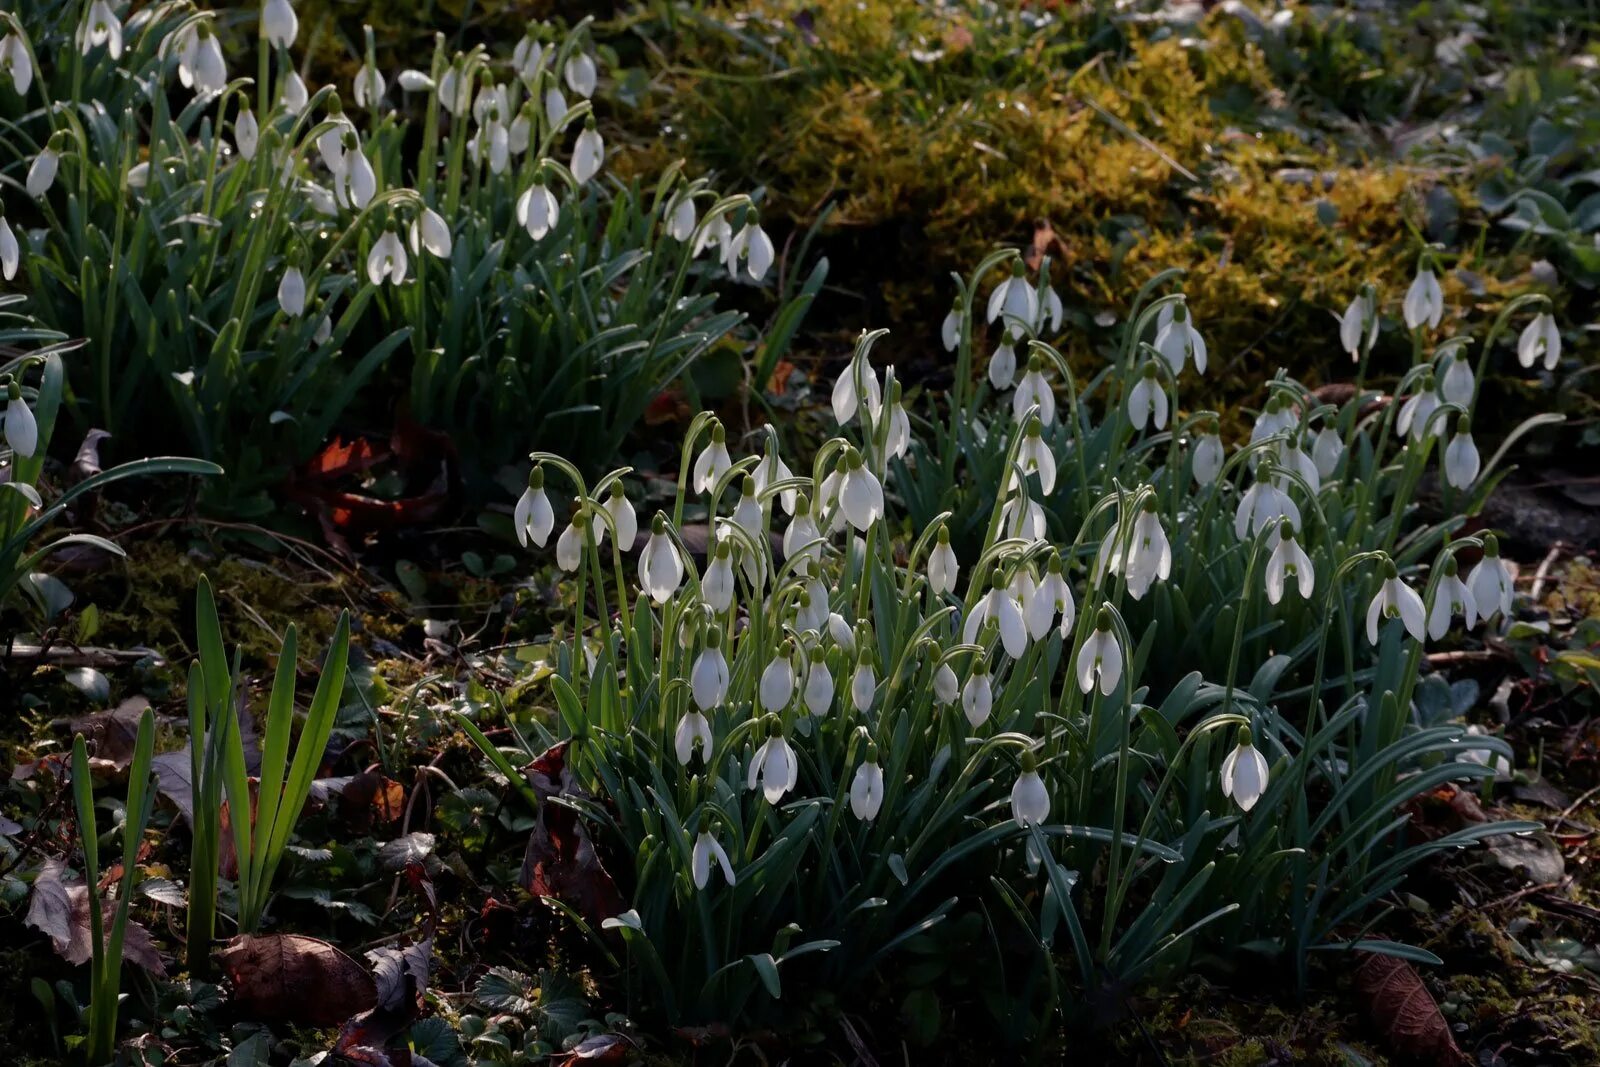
(112, 733)
(1536, 855)
(60, 910)
(1403, 1010)
(402, 982)
(560, 860)
(296, 979)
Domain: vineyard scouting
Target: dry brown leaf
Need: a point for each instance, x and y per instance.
(1405, 1012)
(60, 911)
(296, 979)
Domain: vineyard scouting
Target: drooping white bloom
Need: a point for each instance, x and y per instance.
(1178, 341)
(857, 383)
(292, 292)
(1262, 505)
(943, 567)
(707, 848)
(1275, 418)
(752, 245)
(430, 231)
(295, 96)
(708, 678)
(898, 441)
(279, 24)
(1003, 363)
(1100, 658)
(1052, 311)
(714, 232)
(866, 789)
(555, 107)
(101, 27)
(1326, 451)
(537, 210)
(42, 174)
(1424, 302)
(717, 584)
(819, 687)
(1027, 523)
(454, 90)
(860, 494)
(1491, 582)
(623, 517)
(1052, 600)
(1147, 400)
(200, 63)
(1015, 299)
(840, 632)
(1208, 456)
(520, 132)
(387, 260)
(533, 518)
(1030, 800)
(950, 329)
(324, 329)
(369, 87)
(1451, 598)
(1396, 600)
(1000, 606)
(1485, 757)
(660, 569)
(802, 537)
(1034, 390)
(713, 461)
(1294, 459)
(681, 217)
(774, 767)
(977, 696)
(10, 250)
(777, 682)
(864, 683)
(588, 154)
(693, 729)
(1035, 457)
(569, 546)
(246, 133)
(1359, 323)
(1416, 414)
(946, 686)
(1461, 460)
(1540, 339)
(358, 183)
(22, 429)
(1289, 560)
(15, 63)
(580, 74)
(1457, 384)
(1244, 773)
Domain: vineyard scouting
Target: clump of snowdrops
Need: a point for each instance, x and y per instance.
(251, 256)
(1164, 699)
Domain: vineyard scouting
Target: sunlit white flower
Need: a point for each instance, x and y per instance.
(977, 696)
(708, 678)
(1262, 505)
(898, 440)
(533, 518)
(1147, 400)
(1149, 557)
(387, 260)
(946, 686)
(1491, 582)
(1002, 608)
(369, 87)
(950, 329)
(292, 292)
(22, 429)
(1275, 418)
(1461, 460)
(817, 694)
(101, 27)
(858, 382)
(1050, 602)
(279, 25)
(246, 133)
(775, 768)
(1016, 299)
(1208, 456)
(717, 584)
(1451, 598)
(860, 494)
(1030, 800)
(294, 96)
(866, 788)
(707, 848)
(1003, 363)
(580, 74)
(776, 688)
(1244, 772)
(200, 63)
(749, 517)
(589, 153)
(943, 567)
(430, 231)
(1052, 312)
(42, 174)
(529, 55)
(1034, 390)
(1025, 522)
(1358, 325)
(623, 517)
(1396, 600)
(1100, 658)
(1457, 384)
(537, 210)
(454, 90)
(1178, 341)
(1035, 457)
(1424, 302)
(10, 250)
(520, 132)
(864, 683)
(1540, 339)
(570, 545)
(555, 107)
(713, 461)
(752, 245)
(660, 568)
(1289, 560)
(693, 729)
(1326, 451)
(803, 535)
(1416, 414)
(681, 217)
(15, 63)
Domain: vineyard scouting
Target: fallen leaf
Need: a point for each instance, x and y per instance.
(1403, 1010)
(404, 851)
(296, 979)
(401, 976)
(1536, 855)
(113, 732)
(172, 770)
(560, 860)
(60, 910)
(601, 1048)
(369, 798)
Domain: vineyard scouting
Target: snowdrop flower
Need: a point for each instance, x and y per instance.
(1540, 338)
(713, 461)
(1026, 523)
(818, 691)
(943, 567)
(717, 585)
(1451, 597)
(681, 217)
(387, 260)
(693, 729)
(864, 683)
(707, 848)
(589, 152)
(1052, 312)
(1461, 460)
(520, 132)
(279, 26)
(1261, 506)
(1292, 458)
(1208, 455)
(1457, 384)
(866, 788)
(1015, 299)
(1000, 606)
(101, 27)
(1490, 582)
(811, 610)
(294, 95)
(10, 250)
(1147, 400)
(580, 74)
(950, 329)
(1289, 560)
(1482, 756)
(1149, 557)
(1051, 600)
(748, 516)
(1034, 390)
(1424, 302)
(946, 686)
(623, 517)
(42, 174)
(708, 678)
(533, 518)
(1275, 418)
(454, 90)
(369, 87)
(1035, 457)
(430, 231)
(1003, 364)
(714, 232)
(324, 328)
(977, 696)
(1177, 340)
(1100, 659)
(200, 62)
(22, 429)
(752, 245)
(246, 132)
(774, 767)
(776, 688)
(1395, 600)
(802, 535)
(537, 209)
(1030, 800)
(860, 494)
(660, 569)
(857, 383)
(569, 546)
(555, 108)
(1359, 323)
(358, 184)
(529, 55)
(15, 63)
(898, 441)
(1326, 451)
(292, 292)
(840, 633)
(1244, 772)
(1416, 413)
(491, 101)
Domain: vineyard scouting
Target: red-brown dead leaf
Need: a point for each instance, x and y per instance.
(1044, 243)
(61, 912)
(369, 798)
(112, 733)
(778, 384)
(295, 979)
(667, 406)
(560, 860)
(1403, 1010)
